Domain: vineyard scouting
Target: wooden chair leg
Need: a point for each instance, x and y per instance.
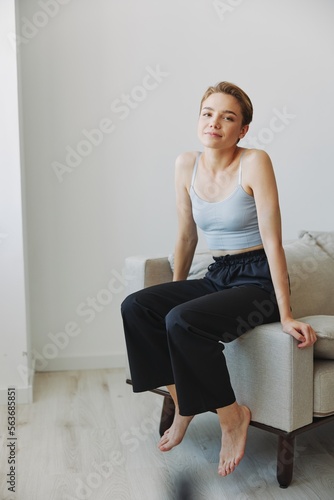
(285, 457)
(167, 414)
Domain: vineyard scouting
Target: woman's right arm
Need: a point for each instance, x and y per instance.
(187, 237)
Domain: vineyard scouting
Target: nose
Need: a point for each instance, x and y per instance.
(215, 122)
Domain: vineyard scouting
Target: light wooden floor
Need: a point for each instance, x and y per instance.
(87, 436)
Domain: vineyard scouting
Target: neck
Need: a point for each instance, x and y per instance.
(216, 159)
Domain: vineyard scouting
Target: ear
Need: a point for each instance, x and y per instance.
(243, 131)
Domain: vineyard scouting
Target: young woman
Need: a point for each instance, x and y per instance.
(175, 332)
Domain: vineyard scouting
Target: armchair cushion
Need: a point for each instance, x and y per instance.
(324, 239)
(324, 327)
(323, 388)
(311, 272)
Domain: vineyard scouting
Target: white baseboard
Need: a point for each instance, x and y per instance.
(24, 395)
(95, 362)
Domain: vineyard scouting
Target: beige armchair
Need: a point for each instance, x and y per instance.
(288, 390)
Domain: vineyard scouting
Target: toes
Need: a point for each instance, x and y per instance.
(222, 471)
(232, 466)
(165, 436)
(165, 446)
(162, 442)
(226, 468)
(165, 443)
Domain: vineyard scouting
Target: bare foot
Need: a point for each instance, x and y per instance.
(174, 435)
(234, 442)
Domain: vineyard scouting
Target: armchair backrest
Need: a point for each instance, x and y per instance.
(311, 271)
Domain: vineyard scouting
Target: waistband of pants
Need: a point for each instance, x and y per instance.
(245, 257)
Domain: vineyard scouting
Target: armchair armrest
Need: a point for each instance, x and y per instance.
(142, 272)
(272, 376)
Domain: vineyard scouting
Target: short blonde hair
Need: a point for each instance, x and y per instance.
(235, 91)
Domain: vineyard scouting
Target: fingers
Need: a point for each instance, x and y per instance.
(303, 332)
(307, 336)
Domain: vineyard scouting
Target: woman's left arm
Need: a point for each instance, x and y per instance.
(261, 180)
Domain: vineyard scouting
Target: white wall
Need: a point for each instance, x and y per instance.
(15, 364)
(88, 211)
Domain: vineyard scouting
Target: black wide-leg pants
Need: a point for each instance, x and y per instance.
(175, 332)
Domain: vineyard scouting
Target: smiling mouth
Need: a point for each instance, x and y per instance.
(213, 134)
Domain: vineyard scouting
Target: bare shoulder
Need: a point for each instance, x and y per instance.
(186, 160)
(256, 163)
(255, 157)
(184, 165)
(258, 173)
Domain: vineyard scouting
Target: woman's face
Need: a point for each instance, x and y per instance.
(220, 121)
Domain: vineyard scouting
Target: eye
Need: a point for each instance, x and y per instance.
(228, 118)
